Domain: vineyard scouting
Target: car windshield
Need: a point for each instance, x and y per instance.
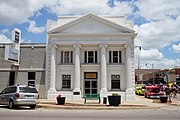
(27, 90)
(143, 87)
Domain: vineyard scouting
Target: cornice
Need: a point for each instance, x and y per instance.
(93, 34)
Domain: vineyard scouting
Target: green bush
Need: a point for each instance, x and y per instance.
(114, 94)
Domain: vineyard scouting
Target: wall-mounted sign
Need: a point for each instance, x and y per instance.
(16, 35)
(91, 75)
(12, 52)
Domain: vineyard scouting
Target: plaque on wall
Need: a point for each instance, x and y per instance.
(76, 93)
(91, 75)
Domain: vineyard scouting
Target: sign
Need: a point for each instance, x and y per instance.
(12, 52)
(16, 35)
(90, 75)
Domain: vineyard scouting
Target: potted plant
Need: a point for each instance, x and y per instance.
(60, 100)
(114, 99)
(163, 99)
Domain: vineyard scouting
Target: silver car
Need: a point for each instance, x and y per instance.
(19, 95)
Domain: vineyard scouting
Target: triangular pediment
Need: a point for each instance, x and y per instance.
(90, 24)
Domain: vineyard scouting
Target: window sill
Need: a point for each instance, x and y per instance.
(90, 64)
(115, 90)
(115, 64)
(65, 89)
(66, 64)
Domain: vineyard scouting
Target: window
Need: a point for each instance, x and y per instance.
(66, 56)
(31, 78)
(11, 78)
(114, 56)
(66, 81)
(90, 57)
(115, 82)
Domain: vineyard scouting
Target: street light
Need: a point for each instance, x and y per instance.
(152, 70)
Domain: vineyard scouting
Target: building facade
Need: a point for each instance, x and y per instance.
(89, 54)
(30, 71)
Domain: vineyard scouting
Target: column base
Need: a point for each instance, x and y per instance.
(52, 93)
(103, 91)
(77, 94)
(129, 94)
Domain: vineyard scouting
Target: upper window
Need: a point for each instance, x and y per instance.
(114, 56)
(90, 57)
(115, 82)
(66, 81)
(66, 56)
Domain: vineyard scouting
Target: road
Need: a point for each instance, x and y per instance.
(166, 113)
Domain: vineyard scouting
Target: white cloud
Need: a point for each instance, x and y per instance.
(18, 11)
(155, 57)
(94, 6)
(121, 8)
(4, 31)
(21, 10)
(4, 39)
(151, 54)
(80, 7)
(159, 9)
(176, 48)
(34, 29)
(164, 29)
(158, 34)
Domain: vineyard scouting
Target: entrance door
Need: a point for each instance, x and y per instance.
(90, 82)
(11, 78)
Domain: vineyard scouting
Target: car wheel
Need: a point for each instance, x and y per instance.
(11, 104)
(32, 106)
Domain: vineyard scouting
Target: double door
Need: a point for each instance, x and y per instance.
(90, 83)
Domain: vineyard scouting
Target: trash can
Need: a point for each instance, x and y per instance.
(104, 100)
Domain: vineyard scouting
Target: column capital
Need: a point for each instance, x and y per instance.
(103, 45)
(54, 45)
(128, 45)
(77, 45)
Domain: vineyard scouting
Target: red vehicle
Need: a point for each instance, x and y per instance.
(152, 92)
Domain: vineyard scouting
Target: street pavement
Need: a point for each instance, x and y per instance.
(166, 113)
(138, 103)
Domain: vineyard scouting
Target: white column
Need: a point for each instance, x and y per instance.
(129, 73)
(128, 68)
(103, 89)
(52, 89)
(77, 71)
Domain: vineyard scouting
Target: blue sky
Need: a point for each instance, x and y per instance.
(156, 22)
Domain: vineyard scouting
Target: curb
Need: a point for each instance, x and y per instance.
(88, 107)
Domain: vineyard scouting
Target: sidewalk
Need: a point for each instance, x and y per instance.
(139, 103)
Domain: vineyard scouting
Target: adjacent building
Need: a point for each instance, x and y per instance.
(30, 71)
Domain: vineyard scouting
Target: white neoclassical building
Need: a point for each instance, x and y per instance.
(90, 54)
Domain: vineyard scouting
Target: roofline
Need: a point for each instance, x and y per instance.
(25, 44)
(98, 34)
(95, 16)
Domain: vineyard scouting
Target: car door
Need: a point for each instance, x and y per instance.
(2, 96)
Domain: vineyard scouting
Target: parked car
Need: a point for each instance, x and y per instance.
(153, 92)
(139, 90)
(19, 95)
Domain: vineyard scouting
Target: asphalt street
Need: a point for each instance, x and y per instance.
(166, 113)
